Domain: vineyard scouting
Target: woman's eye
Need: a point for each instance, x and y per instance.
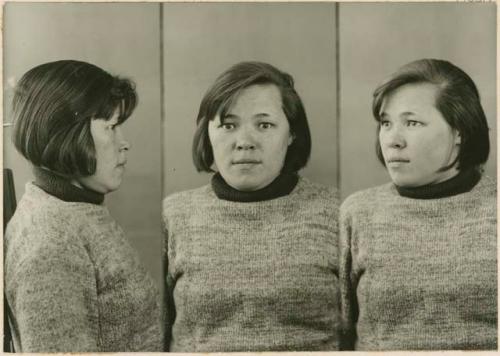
(413, 123)
(384, 123)
(227, 126)
(265, 125)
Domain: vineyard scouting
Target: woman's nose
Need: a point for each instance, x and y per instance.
(122, 141)
(245, 140)
(125, 146)
(395, 138)
(241, 146)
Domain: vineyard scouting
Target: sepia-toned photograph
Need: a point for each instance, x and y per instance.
(249, 176)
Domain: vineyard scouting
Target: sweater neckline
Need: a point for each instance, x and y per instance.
(280, 186)
(61, 188)
(463, 182)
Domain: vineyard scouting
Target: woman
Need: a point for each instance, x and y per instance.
(252, 257)
(72, 281)
(418, 255)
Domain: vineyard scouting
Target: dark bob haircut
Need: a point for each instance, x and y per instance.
(54, 104)
(457, 100)
(226, 89)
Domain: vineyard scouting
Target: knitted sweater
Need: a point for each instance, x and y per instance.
(419, 274)
(253, 276)
(74, 283)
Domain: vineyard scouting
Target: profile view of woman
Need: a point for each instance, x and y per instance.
(72, 280)
(252, 257)
(418, 255)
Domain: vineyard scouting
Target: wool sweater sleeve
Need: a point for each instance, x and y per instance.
(347, 282)
(54, 297)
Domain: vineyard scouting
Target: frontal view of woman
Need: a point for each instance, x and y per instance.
(418, 255)
(252, 257)
(72, 280)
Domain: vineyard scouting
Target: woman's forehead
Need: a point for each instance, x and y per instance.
(409, 98)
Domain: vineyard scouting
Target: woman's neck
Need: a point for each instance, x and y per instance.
(463, 182)
(61, 188)
(281, 186)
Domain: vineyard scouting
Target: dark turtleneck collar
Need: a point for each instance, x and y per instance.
(61, 188)
(463, 182)
(281, 186)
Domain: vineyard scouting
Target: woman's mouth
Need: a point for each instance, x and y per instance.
(397, 162)
(245, 164)
(245, 161)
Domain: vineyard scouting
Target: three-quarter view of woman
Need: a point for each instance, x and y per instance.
(251, 258)
(72, 280)
(418, 256)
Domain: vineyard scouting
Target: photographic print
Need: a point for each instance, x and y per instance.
(249, 176)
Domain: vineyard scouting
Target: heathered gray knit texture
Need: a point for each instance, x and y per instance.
(423, 273)
(254, 276)
(74, 283)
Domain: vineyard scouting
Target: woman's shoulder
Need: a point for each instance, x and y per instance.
(362, 198)
(483, 196)
(308, 189)
(42, 228)
(36, 196)
(487, 185)
(42, 217)
(186, 198)
(40, 207)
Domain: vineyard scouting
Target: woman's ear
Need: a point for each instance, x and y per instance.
(291, 137)
(458, 138)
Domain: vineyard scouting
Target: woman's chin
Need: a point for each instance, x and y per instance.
(247, 184)
(101, 188)
(244, 187)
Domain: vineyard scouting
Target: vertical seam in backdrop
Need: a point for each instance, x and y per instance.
(163, 291)
(162, 93)
(337, 95)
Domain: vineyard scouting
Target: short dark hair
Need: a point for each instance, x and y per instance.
(457, 100)
(226, 89)
(53, 106)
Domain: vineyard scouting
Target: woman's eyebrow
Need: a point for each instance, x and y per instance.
(407, 113)
(230, 116)
(384, 115)
(254, 116)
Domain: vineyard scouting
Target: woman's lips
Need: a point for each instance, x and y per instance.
(397, 162)
(245, 164)
(246, 161)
